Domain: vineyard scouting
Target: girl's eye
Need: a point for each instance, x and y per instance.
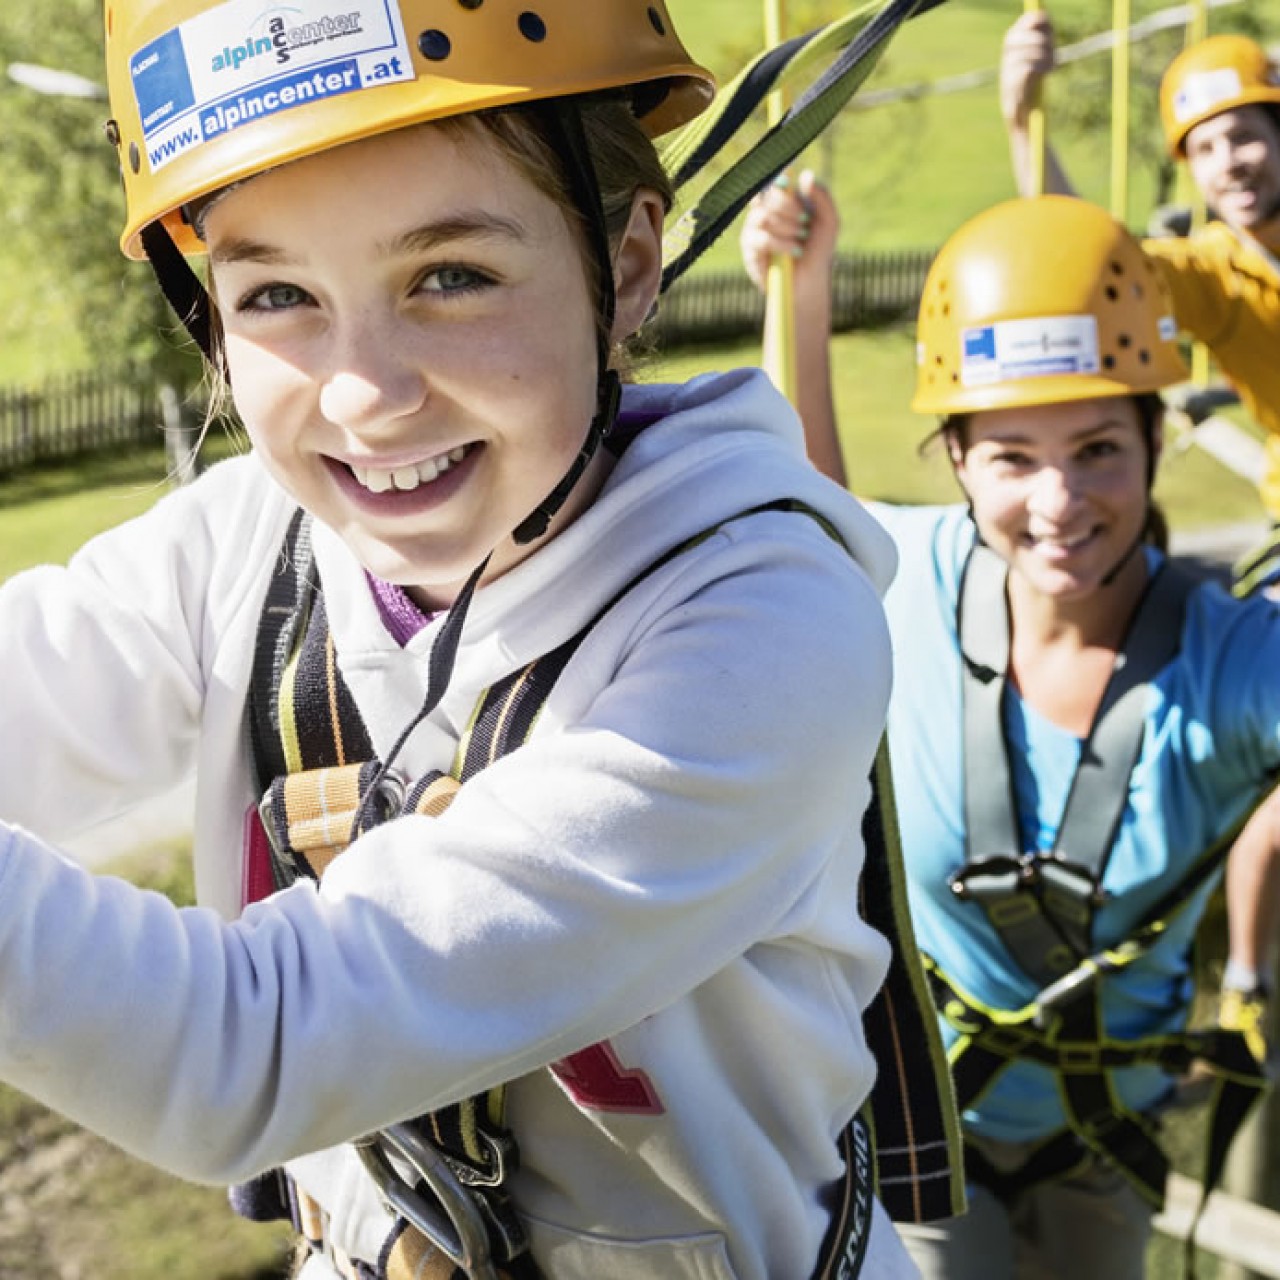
(274, 297)
(453, 279)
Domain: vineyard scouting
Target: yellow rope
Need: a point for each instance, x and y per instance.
(1036, 124)
(780, 282)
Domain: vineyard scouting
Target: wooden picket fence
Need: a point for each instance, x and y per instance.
(868, 290)
(77, 414)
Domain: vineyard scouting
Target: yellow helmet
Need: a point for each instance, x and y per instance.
(1212, 76)
(206, 93)
(1037, 301)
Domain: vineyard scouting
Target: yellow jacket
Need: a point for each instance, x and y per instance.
(1226, 292)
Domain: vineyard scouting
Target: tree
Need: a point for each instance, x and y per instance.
(62, 208)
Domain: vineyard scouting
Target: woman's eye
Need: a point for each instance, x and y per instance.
(274, 297)
(1099, 449)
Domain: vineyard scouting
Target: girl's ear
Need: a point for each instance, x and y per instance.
(637, 264)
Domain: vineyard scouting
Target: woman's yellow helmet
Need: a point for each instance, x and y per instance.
(1042, 300)
(204, 94)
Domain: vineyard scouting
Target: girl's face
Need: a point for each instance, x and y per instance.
(1058, 491)
(410, 338)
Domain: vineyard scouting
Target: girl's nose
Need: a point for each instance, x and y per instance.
(372, 382)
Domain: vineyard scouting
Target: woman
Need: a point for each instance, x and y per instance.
(506, 952)
(1074, 725)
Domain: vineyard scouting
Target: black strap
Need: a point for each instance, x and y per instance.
(912, 1110)
(860, 38)
(1043, 905)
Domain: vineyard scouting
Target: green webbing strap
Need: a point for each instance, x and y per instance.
(917, 1138)
(1043, 906)
(1258, 567)
(861, 36)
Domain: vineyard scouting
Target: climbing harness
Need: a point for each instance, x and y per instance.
(314, 763)
(1042, 906)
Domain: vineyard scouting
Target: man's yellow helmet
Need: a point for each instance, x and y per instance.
(1214, 75)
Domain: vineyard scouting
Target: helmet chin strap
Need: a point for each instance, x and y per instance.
(1136, 545)
(182, 288)
(563, 122)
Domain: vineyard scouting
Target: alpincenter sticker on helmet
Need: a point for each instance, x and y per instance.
(242, 61)
(1033, 348)
(1202, 92)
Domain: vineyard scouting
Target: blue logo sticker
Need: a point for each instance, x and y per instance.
(161, 82)
(980, 344)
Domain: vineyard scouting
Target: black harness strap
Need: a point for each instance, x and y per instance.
(1043, 905)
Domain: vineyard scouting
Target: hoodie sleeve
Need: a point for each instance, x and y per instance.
(105, 660)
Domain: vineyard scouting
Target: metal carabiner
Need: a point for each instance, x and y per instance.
(453, 1223)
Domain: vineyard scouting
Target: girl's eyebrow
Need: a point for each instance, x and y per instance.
(422, 239)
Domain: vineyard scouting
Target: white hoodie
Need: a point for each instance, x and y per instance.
(667, 868)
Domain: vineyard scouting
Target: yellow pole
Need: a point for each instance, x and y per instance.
(1120, 110)
(1035, 124)
(1197, 30)
(779, 285)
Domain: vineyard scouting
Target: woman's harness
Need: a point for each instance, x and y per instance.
(1043, 907)
(444, 1176)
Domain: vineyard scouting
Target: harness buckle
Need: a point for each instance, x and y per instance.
(498, 1153)
(997, 875)
(453, 1223)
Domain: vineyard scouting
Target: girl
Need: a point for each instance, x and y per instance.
(1076, 727)
(528, 769)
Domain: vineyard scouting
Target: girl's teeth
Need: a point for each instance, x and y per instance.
(377, 480)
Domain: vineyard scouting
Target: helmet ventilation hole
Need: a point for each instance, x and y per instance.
(655, 21)
(470, 4)
(435, 45)
(532, 27)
